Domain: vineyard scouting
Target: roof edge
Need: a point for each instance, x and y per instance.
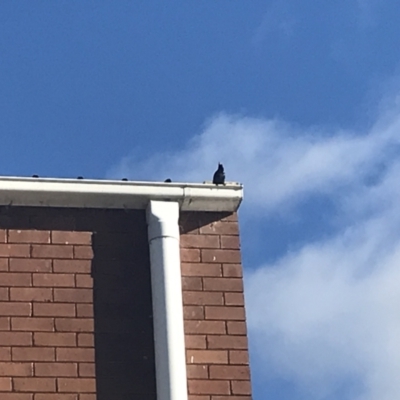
(85, 193)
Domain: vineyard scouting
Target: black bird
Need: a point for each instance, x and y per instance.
(168, 180)
(219, 175)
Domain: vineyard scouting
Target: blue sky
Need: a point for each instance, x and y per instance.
(299, 100)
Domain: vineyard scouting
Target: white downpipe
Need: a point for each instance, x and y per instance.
(169, 337)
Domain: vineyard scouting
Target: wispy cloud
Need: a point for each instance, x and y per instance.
(278, 163)
(324, 317)
(278, 19)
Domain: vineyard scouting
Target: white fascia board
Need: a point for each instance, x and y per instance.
(49, 192)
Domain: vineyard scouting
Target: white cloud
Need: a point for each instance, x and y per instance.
(329, 312)
(278, 163)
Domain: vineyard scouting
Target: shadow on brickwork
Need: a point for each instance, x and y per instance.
(124, 349)
(189, 221)
(123, 311)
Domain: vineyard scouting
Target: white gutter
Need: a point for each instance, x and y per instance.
(169, 338)
(47, 192)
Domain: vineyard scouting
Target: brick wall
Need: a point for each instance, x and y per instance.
(75, 303)
(75, 306)
(215, 327)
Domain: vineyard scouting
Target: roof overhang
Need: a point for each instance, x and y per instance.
(49, 192)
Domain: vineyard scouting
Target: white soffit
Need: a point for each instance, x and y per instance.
(85, 193)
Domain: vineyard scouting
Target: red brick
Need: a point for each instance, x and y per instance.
(201, 269)
(196, 397)
(85, 340)
(234, 299)
(32, 354)
(53, 310)
(56, 369)
(205, 327)
(54, 339)
(197, 371)
(80, 385)
(28, 236)
(15, 279)
(84, 310)
(232, 270)
(74, 324)
(225, 313)
(56, 396)
(227, 342)
(220, 228)
(193, 312)
(75, 355)
(4, 323)
(4, 264)
(84, 281)
(5, 353)
(236, 328)
(202, 298)
(15, 309)
(239, 357)
(32, 324)
(16, 396)
(73, 295)
(5, 385)
(72, 266)
(206, 357)
(30, 294)
(231, 218)
(29, 265)
(229, 372)
(199, 241)
(230, 397)
(87, 370)
(14, 250)
(87, 397)
(51, 251)
(16, 338)
(54, 280)
(3, 236)
(195, 341)
(230, 242)
(223, 284)
(83, 252)
(190, 255)
(68, 237)
(34, 384)
(4, 294)
(221, 256)
(16, 369)
(241, 387)
(191, 283)
(208, 387)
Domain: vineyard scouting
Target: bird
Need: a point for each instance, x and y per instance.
(219, 175)
(168, 180)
